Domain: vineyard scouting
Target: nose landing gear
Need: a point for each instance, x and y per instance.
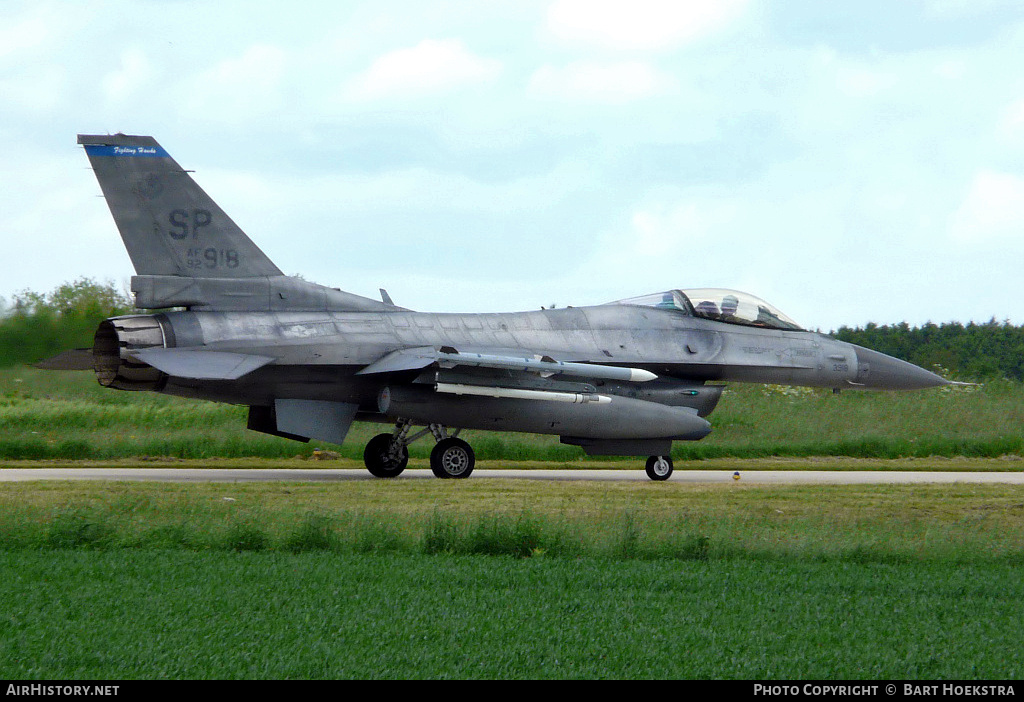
(659, 467)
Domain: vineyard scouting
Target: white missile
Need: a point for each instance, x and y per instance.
(547, 366)
(577, 398)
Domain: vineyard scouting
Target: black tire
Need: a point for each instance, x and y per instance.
(452, 458)
(379, 461)
(659, 467)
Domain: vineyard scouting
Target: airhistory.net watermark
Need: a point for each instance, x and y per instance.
(54, 690)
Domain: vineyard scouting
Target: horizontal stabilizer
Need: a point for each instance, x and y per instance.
(74, 359)
(201, 364)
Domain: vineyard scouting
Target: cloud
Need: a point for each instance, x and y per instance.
(432, 66)
(664, 239)
(641, 24)
(859, 81)
(240, 88)
(135, 70)
(960, 9)
(33, 79)
(38, 29)
(1011, 124)
(600, 82)
(38, 89)
(993, 210)
(813, 139)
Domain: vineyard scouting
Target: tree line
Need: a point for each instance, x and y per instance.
(36, 326)
(965, 352)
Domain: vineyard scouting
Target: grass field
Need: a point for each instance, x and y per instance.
(880, 523)
(513, 579)
(61, 415)
(510, 579)
(175, 614)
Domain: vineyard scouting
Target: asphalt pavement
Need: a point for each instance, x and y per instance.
(759, 477)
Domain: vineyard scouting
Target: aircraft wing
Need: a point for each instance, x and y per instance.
(201, 364)
(544, 365)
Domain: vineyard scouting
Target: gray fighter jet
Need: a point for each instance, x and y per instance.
(624, 378)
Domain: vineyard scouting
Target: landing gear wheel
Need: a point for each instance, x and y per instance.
(452, 458)
(659, 467)
(381, 461)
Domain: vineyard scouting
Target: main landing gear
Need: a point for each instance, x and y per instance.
(387, 455)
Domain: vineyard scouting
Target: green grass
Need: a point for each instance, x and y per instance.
(61, 415)
(177, 614)
(510, 579)
(954, 523)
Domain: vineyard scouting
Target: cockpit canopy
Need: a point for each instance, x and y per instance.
(730, 306)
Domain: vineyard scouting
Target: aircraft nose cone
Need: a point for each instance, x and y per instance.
(881, 372)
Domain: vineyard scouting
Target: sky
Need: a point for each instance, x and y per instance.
(849, 162)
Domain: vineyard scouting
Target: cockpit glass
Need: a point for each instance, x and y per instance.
(738, 308)
(673, 299)
(731, 306)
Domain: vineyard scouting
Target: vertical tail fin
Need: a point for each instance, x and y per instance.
(169, 225)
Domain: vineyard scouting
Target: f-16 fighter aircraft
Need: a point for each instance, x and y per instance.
(623, 378)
